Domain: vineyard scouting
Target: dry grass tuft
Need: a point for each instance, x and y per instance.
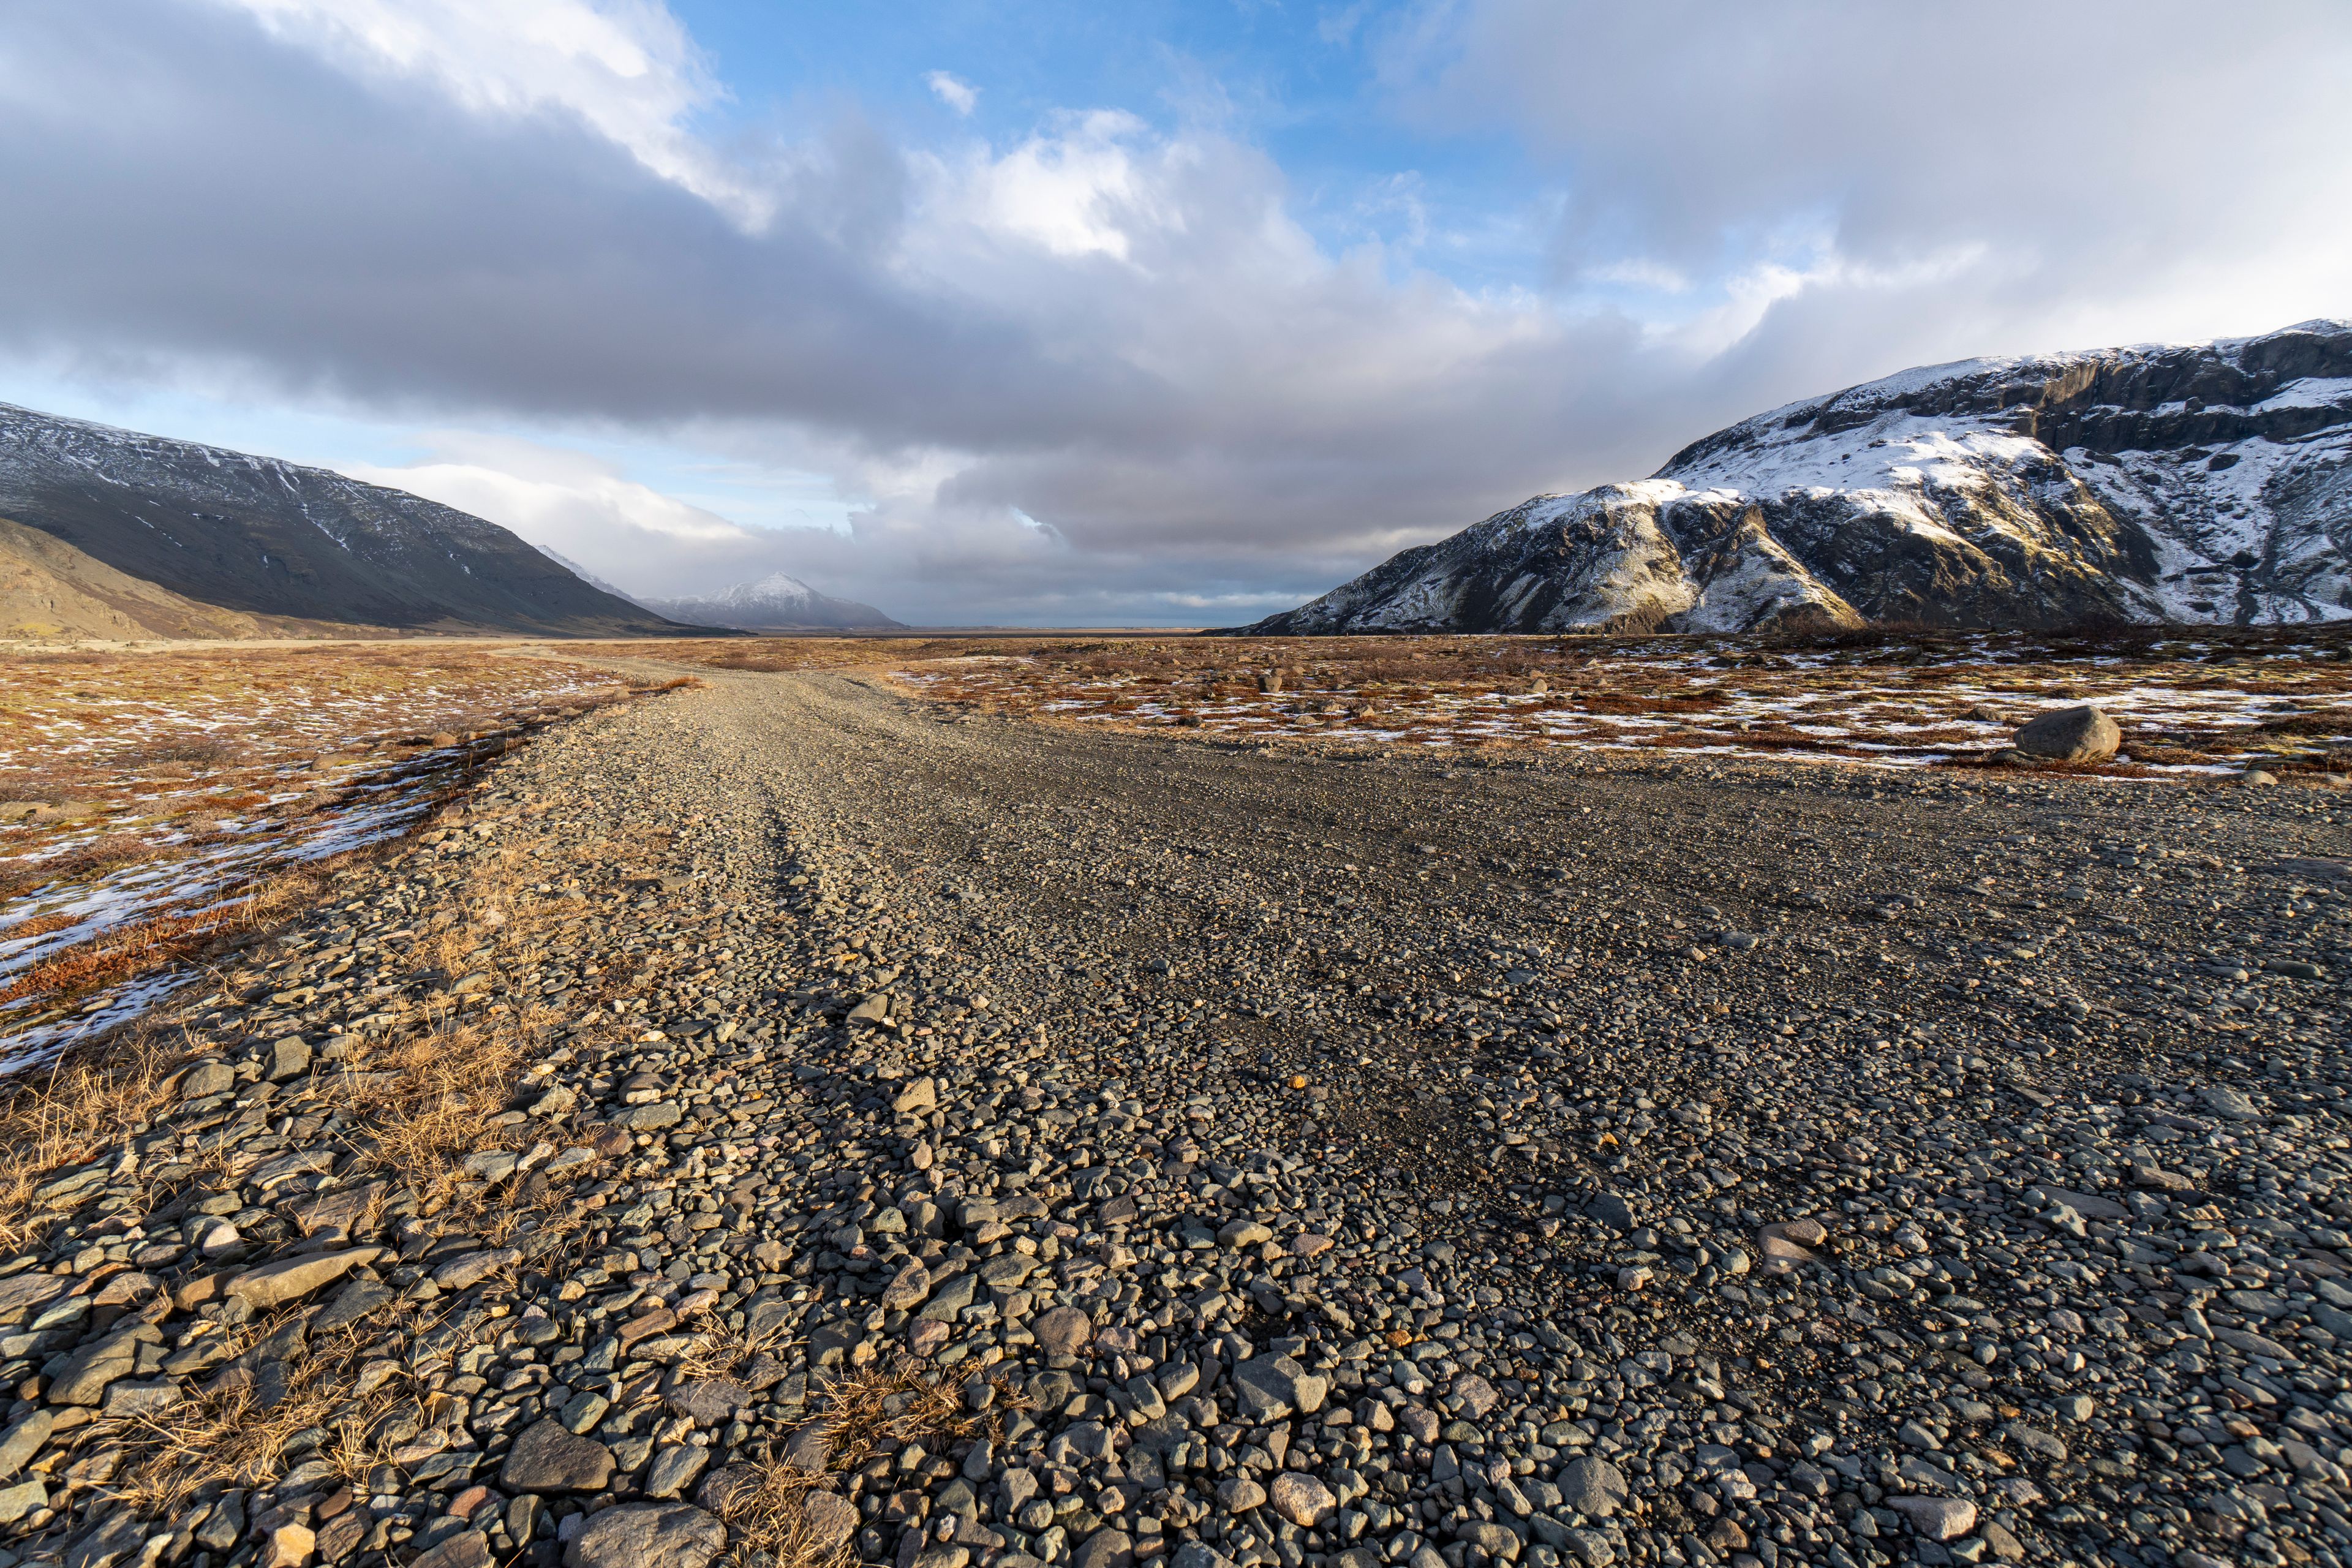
(767, 1521)
(888, 1405)
(897, 1402)
(231, 1439)
(75, 1112)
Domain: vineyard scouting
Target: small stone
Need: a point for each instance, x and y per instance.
(1611, 1211)
(23, 1441)
(1495, 1540)
(724, 1487)
(906, 1288)
(2036, 1442)
(1301, 1499)
(1593, 1486)
(470, 1268)
(2230, 1104)
(809, 1449)
(641, 1535)
(2005, 1546)
(207, 1079)
(22, 1499)
(1937, 1518)
(708, 1402)
(922, 1094)
(287, 1057)
(127, 1400)
(1271, 1388)
(291, 1279)
(674, 1468)
(1105, 1549)
(291, 1545)
(84, 1379)
(2077, 1407)
(1241, 1232)
(2082, 735)
(1065, 1330)
(830, 1518)
(467, 1549)
(1239, 1494)
(1476, 1395)
(546, 1458)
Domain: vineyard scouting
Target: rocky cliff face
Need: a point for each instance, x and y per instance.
(268, 538)
(775, 603)
(2209, 483)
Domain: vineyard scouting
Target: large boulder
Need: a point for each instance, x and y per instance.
(2072, 735)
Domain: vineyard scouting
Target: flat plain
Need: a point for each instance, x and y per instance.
(927, 1101)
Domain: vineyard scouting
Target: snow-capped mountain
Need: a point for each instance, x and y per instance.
(774, 603)
(272, 538)
(2207, 483)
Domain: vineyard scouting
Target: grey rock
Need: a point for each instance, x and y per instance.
(641, 1535)
(1272, 1388)
(546, 1458)
(674, 1468)
(2082, 735)
(469, 1269)
(2232, 1104)
(1065, 1330)
(23, 1441)
(1593, 1486)
(287, 1058)
(206, 1079)
(1105, 1549)
(22, 1499)
(1937, 1518)
(84, 1378)
(831, 1518)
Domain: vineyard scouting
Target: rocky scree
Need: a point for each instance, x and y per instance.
(1004, 1145)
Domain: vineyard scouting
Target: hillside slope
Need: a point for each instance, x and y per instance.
(49, 590)
(2207, 483)
(262, 537)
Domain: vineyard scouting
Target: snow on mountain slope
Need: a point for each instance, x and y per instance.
(774, 603)
(263, 537)
(2206, 483)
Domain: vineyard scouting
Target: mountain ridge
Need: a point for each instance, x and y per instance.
(2207, 483)
(261, 536)
(777, 602)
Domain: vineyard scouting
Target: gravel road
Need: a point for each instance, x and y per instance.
(1301, 1159)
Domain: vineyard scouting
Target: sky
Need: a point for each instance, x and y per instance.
(1152, 314)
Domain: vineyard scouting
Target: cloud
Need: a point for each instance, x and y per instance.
(624, 68)
(582, 506)
(959, 96)
(2093, 168)
(1124, 332)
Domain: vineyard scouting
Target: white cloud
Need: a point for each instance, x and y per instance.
(959, 96)
(626, 68)
(1075, 193)
(581, 505)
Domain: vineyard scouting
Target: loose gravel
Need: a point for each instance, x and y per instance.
(1014, 1144)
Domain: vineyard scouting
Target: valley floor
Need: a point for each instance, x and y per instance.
(785, 1117)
